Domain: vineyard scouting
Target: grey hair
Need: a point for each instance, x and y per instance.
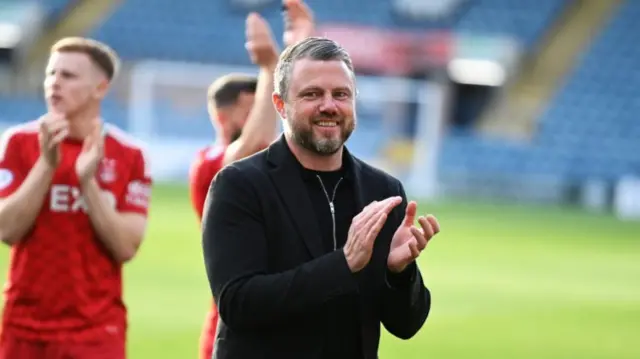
(314, 48)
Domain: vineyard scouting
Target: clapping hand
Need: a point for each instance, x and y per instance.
(364, 230)
(260, 43)
(54, 129)
(299, 23)
(409, 241)
(89, 158)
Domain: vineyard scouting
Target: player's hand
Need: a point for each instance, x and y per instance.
(364, 230)
(409, 241)
(260, 43)
(54, 128)
(298, 22)
(92, 152)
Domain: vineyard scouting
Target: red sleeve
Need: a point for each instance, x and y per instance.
(202, 174)
(12, 167)
(137, 194)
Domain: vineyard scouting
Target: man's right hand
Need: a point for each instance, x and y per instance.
(364, 230)
(54, 128)
(298, 22)
(260, 43)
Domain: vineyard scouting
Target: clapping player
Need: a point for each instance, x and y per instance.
(74, 199)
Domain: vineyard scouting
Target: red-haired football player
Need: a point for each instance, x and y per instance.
(74, 199)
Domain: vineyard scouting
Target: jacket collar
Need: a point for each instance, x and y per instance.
(286, 172)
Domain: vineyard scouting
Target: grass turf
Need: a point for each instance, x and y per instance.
(508, 281)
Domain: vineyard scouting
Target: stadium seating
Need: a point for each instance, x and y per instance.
(525, 20)
(212, 31)
(195, 31)
(594, 115)
(590, 128)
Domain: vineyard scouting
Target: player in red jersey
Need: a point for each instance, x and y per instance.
(74, 198)
(242, 112)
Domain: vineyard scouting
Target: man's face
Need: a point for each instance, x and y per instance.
(72, 82)
(239, 113)
(233, 118)
(320, 107)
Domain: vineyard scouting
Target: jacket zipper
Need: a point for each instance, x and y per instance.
(332, 208)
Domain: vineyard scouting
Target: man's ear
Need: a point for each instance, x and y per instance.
(278, 103)
(102, 88)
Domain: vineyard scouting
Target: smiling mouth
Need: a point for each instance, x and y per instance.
(326, 123)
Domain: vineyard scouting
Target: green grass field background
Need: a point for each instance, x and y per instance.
(508, 281)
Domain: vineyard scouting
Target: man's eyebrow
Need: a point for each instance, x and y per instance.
(63, 71)
(311, 88)
(318, 88)
(343, 88)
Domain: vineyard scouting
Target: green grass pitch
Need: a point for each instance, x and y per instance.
(508, 281)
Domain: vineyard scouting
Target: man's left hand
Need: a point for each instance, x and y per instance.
(92, 152)
(409, 241)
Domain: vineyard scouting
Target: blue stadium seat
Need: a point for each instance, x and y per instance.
(594, 114)
(525, 20)
(195, 31)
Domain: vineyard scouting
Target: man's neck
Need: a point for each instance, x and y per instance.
(314, 161)
(81, 125)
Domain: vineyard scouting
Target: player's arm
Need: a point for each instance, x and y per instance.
(235, 254)
(23, 189)
(406, 300)
(20, 208)
(261, 126)
(121, 228)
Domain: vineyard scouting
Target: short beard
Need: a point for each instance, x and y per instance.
(322, 147)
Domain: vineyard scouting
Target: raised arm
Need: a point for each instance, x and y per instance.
(261, 126)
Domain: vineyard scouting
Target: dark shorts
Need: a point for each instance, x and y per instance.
(15, 348)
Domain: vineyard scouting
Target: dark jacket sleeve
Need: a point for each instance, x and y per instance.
(235, 255)
(406, 299)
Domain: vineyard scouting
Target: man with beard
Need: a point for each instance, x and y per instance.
(240, 109)
(307, 248)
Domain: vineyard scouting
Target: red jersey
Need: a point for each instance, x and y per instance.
(63, 284)
(207, 164)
